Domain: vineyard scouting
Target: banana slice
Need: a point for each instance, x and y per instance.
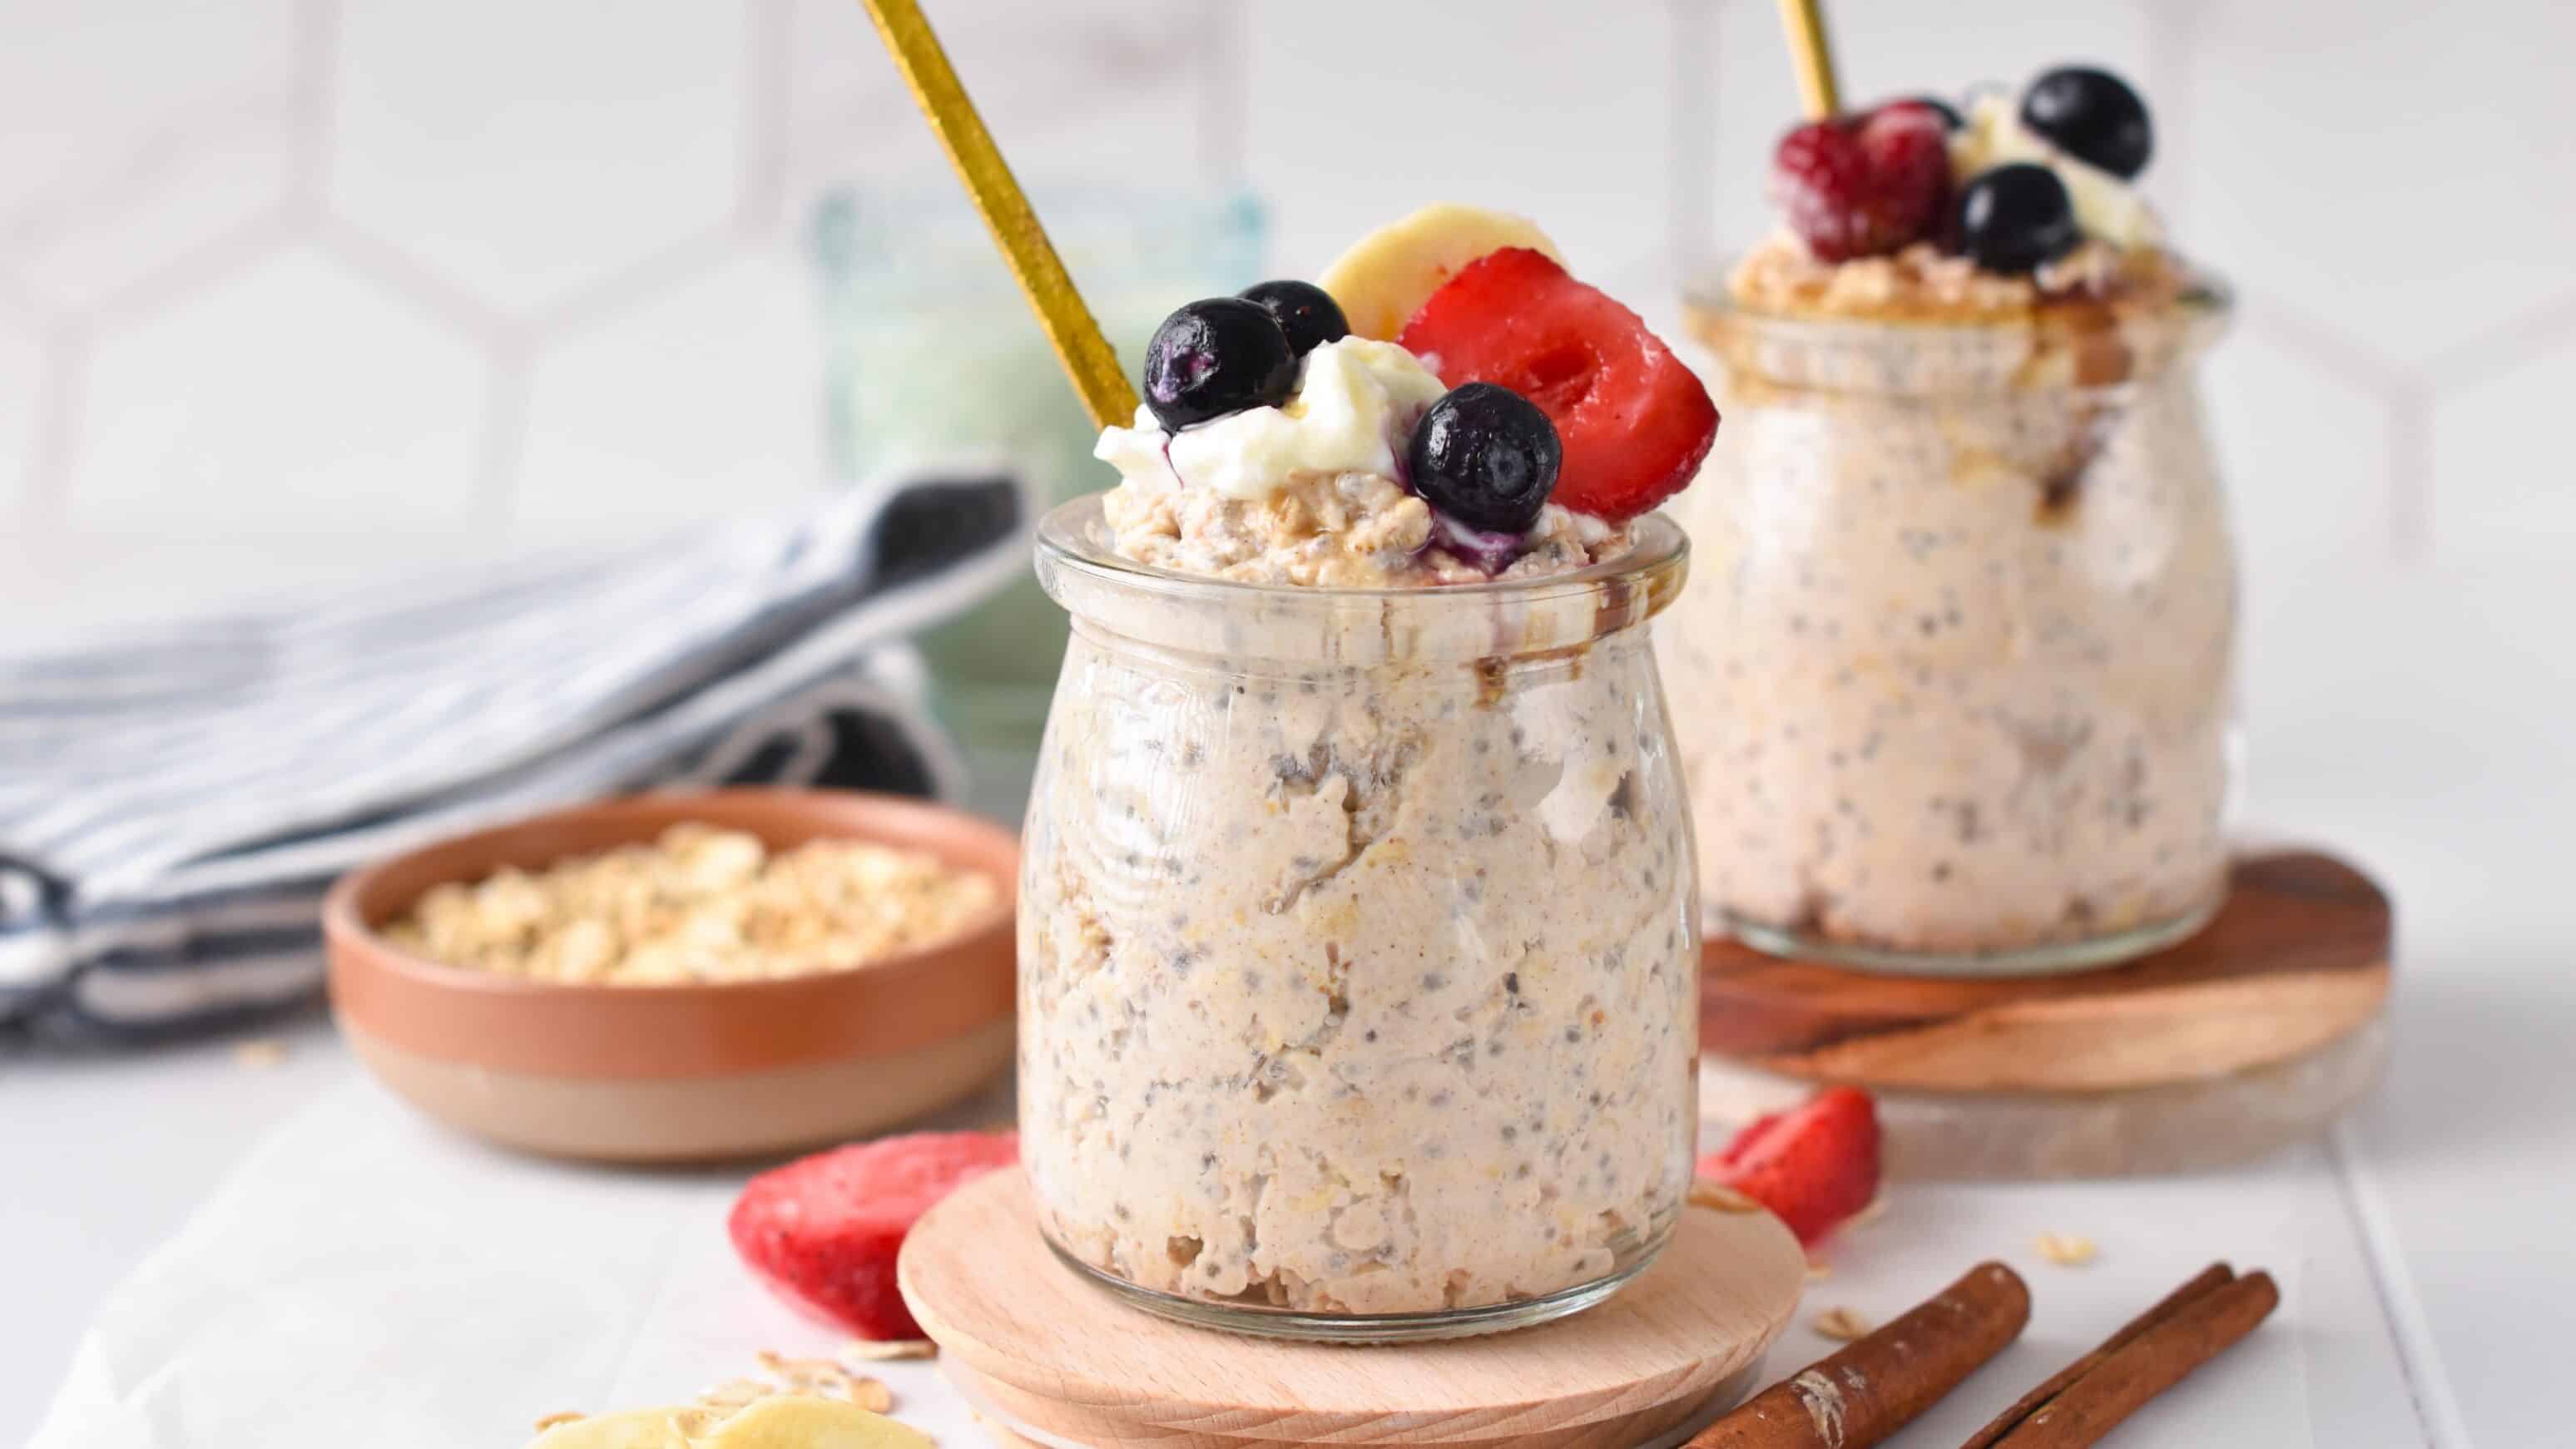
(793, 1421)
(783, 1421)
(1387, 275)
(626, 1429)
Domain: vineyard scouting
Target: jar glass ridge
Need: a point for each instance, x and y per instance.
(1358, 945)
(1956, 672)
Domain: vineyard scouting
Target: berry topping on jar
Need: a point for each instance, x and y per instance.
(1864, 186)
(1950, 118)
(1486, 457)
(1634, 422)
(2093, 116)
(1306, 312)
(1214, 357)
(2016, 218)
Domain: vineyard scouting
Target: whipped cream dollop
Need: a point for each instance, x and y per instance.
(2106, 207)
(1356, 402)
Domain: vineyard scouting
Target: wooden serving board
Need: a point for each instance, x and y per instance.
(1056, 1360)
(2297, 960)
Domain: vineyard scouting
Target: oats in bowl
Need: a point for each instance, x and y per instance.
(698, 904)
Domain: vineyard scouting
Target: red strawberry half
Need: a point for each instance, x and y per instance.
(1634, 421)
(823, 1231)
(1814, 1165)
(1866, 185)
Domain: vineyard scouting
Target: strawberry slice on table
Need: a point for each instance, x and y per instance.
(1813, 1165)
(1635, 422)
(822, 1232)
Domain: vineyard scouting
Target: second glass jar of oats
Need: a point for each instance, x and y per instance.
(1954, 672)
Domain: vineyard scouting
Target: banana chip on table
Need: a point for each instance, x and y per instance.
(781, 1421)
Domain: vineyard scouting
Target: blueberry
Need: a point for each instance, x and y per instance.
(1949, 114)
(2015, 217)
(1485, 456)
(1306, 312)
(2091, 115)
(1218, 356)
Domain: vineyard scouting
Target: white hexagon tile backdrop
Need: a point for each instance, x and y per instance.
(314, 292)
(318, 289)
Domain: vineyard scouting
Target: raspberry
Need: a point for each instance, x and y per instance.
(1864, 186)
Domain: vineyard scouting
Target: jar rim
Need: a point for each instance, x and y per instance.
(2083, 344)
(1300, 625)
(2205, 298)
(1070, 534)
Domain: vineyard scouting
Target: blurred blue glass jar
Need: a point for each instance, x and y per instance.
(933, 357)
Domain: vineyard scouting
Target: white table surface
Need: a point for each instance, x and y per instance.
(2421, 724)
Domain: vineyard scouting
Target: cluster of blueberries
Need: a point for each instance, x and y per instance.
(2015, 217)
(1483, 455)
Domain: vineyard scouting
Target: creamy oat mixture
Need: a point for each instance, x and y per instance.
(1358, 991)
(1954, 677)
(1954, 673)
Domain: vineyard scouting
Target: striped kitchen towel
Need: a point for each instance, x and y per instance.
(173, 803)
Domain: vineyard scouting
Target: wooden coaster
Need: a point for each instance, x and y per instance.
(1058, 1361)
(2296, 960)
(2012, 1136)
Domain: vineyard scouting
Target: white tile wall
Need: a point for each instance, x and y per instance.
(531, 153)
(295, 288)
(288, 395)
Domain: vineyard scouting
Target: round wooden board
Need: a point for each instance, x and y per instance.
(2018, 1136)
(2297, 959)
(1057, 1359)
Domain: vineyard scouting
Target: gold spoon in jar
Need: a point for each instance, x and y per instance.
(1088, 359)
(1804, 20)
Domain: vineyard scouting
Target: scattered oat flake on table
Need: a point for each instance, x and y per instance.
(734, 1393)
(1841, 1325)
(1707, 1194)
(807, 1373)
(1817, 1272)
(259, 1054)
(2066, 1250)
(872, 1395)
(566, 1417)
(1877, 1209)
(885, 1350)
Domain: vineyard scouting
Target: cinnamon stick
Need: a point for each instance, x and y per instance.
(2210, 1277)
(1858, 1397)
(2159, 1349)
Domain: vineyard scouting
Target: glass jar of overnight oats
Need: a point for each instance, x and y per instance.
(1955, 676)
(1358, 943)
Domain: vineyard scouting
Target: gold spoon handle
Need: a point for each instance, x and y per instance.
(1086, 354)
(1814, 58)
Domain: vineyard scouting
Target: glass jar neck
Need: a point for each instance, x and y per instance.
(1302, 627)
(2073, 347)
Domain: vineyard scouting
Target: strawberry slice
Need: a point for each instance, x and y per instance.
(823, 1231)
(1634, 421)
(1814, 1165)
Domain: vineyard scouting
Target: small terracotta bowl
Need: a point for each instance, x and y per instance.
(689, 1072)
